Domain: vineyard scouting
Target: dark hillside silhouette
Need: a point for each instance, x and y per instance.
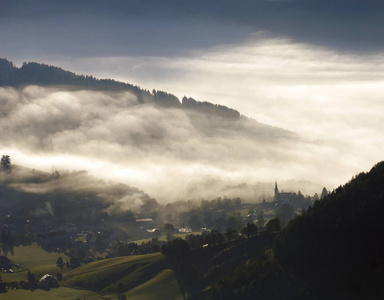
(41, 74)
(206, 107)
(332, 251)
(337, 246)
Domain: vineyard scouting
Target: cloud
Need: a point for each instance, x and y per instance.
(160, 150)
(36, 30)
(330, 98)
(263, 77)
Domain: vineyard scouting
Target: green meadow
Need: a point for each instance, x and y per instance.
(116, 274)
(163, 286)
(59, 293)
(138, 277)
(33, 258)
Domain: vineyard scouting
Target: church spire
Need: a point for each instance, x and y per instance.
(276, 191)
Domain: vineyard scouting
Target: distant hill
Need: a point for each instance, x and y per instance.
(33, 73)
(66, 196)
(42, 74)
(47, 109)
(337, 247)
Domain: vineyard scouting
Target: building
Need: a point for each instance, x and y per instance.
(283, 197)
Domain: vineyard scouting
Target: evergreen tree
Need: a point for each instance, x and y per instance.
(31, 280)
(6, 162)
(273, 225)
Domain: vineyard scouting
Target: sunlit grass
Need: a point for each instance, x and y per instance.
(163, 286)
(57, 293)
(33, 258)
(112, 274)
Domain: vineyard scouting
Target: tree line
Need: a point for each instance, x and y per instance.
(47, 75)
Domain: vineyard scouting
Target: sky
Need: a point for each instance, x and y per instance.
(314, 68)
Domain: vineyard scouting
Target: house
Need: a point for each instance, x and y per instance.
(185, 230)
(135, 252)
(47, 282)
(146, 223)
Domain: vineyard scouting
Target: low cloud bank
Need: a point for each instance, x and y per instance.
(170, 153)
(330, 99)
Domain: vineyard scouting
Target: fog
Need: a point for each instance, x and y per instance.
(312, 68)
(330, 98)
(169, 153)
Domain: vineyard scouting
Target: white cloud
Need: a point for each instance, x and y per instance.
(333, 100)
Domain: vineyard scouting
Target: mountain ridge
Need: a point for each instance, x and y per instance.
(56, 113)
(32, 73)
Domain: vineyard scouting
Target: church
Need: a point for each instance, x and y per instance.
(284, 197)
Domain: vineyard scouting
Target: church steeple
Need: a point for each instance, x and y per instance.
(276, 191)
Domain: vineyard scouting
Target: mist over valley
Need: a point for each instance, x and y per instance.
(169, 148)
(222, 149)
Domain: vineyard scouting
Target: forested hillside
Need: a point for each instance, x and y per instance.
(41, 74)
(337, 247)
(44, 109)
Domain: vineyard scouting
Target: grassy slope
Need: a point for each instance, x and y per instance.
(127, 272)
(60, 293)
(35, 259)
(163, 286)
(142, 276)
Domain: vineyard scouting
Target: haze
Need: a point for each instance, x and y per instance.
(314, 69)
